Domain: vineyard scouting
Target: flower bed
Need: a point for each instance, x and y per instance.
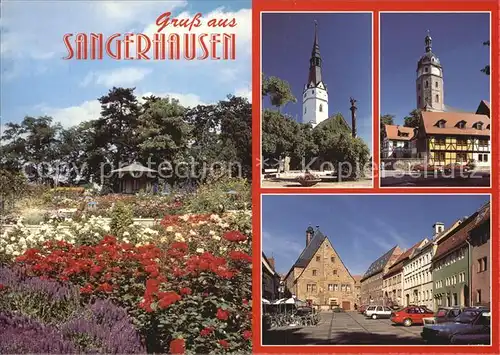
(185, 285)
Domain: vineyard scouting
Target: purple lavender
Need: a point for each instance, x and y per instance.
(105, 328)
(22, 335)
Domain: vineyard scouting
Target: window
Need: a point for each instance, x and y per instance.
(335, 272)
(437, 98)
(332, 259)
(315, 272)
(318, 258)
(480, 157)
(426, 69)
(426, 83)
(342, 288)
(478, 296)
(313, 92)
(461, 124)
(441, 123)
(461, 157)
(419, 100)
(311, 287)
(330, 287)
(482, 264)
(479, 125)
(436, 85)
(483, 143)
(440, 141)
(335, 287)
(348, 288)
(320, 107)
(485, 158)
(418, 87)
(305, 110)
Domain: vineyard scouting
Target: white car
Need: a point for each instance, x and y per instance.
(376, 312)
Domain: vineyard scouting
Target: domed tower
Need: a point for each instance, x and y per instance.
(430, 90)
(315, 95)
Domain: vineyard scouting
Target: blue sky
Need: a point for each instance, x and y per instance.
(457, 40)
(361, 228)
(345, 42)
(36, 81)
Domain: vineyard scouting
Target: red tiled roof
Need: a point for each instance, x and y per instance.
(394, 132)
(483, 215)
(398, 264)
(430, 119)
(456, 239)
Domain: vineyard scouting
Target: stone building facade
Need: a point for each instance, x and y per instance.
(319, 276)
(481, 259)
(270, 279)
(393, 278)
(372, 281)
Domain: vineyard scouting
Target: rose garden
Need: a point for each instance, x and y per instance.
(86, 268)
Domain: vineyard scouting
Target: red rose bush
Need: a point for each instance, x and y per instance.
(186, 289)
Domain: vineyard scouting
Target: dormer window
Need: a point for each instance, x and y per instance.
(403, 134)
(441, 123)
(460, 124)
(478, 125)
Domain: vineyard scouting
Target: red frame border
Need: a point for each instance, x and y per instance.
(375, 7)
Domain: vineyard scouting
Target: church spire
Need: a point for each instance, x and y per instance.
(428, 42)
(315, 61)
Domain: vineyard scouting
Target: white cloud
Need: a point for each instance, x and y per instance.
(91, 110)
(73, 115)
(22, 29)
(116, 77)
(244, 92)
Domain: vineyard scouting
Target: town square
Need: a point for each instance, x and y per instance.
(390, 278)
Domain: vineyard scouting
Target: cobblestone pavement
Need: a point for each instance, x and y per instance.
(347, 328)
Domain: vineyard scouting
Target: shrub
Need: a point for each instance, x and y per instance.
(121, 218)
(223, 195)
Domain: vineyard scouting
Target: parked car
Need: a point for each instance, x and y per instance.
(427, 168)
(376, 312)
(411, 315)
(443, 315)
(362, 308)
(472, 326)
(456, 168)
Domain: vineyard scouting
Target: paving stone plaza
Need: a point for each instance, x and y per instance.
(347, 328)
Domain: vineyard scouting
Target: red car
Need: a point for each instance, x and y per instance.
(411, 315)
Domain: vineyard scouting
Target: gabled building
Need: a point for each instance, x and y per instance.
(445, 135)
(479, 237)
(451, 265)
(270, 279)
(397, 142)
(319, 276)
(393, 278)
(453, 137)
(372, 281)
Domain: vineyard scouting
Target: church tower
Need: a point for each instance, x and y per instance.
(315, 95)
(430, 91)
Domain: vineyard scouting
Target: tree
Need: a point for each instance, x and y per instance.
(280, 134)
(486, 69)
(116, 131)
(221, 133)
(278, 90)
(35, 143)
(386, 119)
(163, 134)
(413, 119)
